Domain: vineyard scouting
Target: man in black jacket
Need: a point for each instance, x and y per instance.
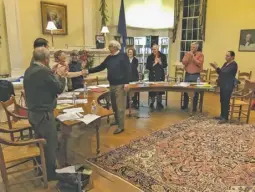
(226, 83)
(156, 64)
(41, 89)
(117, 65)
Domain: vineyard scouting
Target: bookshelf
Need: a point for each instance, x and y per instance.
(142, 46)
(129, 41)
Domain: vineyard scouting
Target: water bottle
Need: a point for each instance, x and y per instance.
(74, 98)
(85, 91)
(198, 81)
(93, 107)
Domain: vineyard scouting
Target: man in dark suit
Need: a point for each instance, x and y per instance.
(41, 89)
(156, 64)
(226, 83)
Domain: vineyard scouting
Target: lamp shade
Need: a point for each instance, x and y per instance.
(105, 29)
(51, 26)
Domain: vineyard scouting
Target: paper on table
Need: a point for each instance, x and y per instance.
(67, 94)
(73, 110)
(104, 86)
(63, 106)
(69, 116)
(183, 84)
(79, 90)
(70, 169)
(64, 101)
(87, 119)
(92, 87)
(80, 101)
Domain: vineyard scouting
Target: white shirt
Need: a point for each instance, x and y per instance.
(131, 59)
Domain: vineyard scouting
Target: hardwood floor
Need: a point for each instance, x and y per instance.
(83, 143)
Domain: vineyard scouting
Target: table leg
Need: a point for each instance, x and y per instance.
(201, 101)
(191, 98)
(98, 138)
(129, 103)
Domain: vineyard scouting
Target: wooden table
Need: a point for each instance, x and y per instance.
(67, 126)
(168, 86)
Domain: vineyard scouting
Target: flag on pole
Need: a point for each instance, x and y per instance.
(122, 28)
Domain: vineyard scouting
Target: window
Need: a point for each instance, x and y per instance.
(190, 26)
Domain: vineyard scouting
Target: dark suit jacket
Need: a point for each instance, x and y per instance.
(157, 72)
(133, 70)
(227, 75)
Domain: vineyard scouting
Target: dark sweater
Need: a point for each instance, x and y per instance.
(118, 69)
(77, 82)
(227, 75)
(41, 88)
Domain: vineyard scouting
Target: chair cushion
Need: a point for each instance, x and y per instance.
(18, 124)
(16, 153)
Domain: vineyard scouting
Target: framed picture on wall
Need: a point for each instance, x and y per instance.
(57, 13)
(100, 41)
(247, 40)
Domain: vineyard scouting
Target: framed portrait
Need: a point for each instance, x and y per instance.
(57, 13)
(100, 41)
(247, 40)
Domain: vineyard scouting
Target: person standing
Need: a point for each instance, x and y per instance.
(39, 42)
(156, 64)
(226, 82)
(133, 61)
(41, 89)
(118, 67)
(193, 64)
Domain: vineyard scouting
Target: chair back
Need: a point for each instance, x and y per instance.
(204, 75)
(10, 106)
(213, 77)
(179, 72)
(91, 81)
(242, 76)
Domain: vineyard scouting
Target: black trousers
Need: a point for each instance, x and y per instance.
(225, 95)
(191, 78)
(44, 125)
(134, 99)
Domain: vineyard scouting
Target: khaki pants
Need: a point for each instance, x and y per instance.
(118, 100)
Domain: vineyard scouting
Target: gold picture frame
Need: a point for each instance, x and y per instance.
(58, 14)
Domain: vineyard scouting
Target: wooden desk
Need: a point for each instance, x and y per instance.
(165, 86)
(67, 126)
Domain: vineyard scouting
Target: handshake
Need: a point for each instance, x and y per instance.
(63, 72)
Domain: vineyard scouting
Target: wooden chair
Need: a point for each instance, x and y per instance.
(241, 102)
(213, 77)
(22, 100)
(242, 76)
(105, 101)
(14, 154)
(91, 81)
(15, 121)
(179, 73)
(204, 75)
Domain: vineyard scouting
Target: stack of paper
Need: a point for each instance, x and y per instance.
(69, 116)
(104, 86)
(92, 87)
(182, 84)
(63, 106)
(65, 101)
(73, 110)
(81, 101)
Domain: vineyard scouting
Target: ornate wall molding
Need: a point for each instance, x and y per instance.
(202, 18)
(177, 11)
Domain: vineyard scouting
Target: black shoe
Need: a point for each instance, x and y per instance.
(114, 123)
(184, 107)
(194, 110)
(160, 106)
(218, 118)
(223, 121)
(152, 105)
(118, 131)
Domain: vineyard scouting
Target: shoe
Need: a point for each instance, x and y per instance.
(113, 123)
(118, 131)
(194, 110)
(218, 118)
(184, 107)
(152, 105)
(223, 121)
(160, 106)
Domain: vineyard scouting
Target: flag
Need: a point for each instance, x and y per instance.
(122, 28)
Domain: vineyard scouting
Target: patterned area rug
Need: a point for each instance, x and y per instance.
(196, 155)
